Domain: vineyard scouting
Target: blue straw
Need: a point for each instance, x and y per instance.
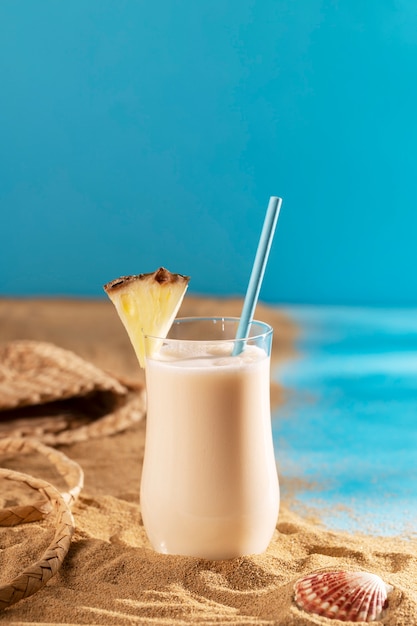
(258, 271)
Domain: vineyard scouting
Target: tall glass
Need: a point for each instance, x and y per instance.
(209, 484)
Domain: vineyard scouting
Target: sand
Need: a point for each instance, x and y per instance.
(111, 575)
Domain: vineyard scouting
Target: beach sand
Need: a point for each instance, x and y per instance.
(111, 575)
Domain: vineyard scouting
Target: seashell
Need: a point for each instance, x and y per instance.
(346, 596)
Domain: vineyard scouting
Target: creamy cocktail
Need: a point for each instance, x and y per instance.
(209, 483)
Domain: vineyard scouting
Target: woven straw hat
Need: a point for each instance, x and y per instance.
(56, 396)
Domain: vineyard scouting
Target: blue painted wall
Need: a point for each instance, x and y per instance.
(141, 133)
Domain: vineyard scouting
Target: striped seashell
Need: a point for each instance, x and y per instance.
(346, 596)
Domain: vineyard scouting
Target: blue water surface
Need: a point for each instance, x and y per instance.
(347, 432)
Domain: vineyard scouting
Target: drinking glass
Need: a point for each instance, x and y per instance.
(209, 485)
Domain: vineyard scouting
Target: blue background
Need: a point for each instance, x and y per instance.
(141, 133)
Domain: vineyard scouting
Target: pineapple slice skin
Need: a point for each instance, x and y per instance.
(147, 305)
(161, 275)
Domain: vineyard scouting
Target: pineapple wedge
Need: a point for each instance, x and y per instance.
(147, 305)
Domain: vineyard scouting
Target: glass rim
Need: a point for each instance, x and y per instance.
(267, 329)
